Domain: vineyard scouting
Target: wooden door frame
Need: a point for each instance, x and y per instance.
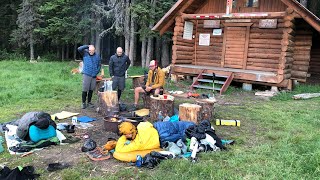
(245, 54)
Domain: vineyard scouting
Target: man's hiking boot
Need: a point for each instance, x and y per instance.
(83, 106)
(90, 105)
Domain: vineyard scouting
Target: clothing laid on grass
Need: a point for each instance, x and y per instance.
(202, 130)
(16, 145)
(146, 138)
(18, 173)
(28, 146)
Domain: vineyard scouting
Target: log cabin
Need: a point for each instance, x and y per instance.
(268, 42)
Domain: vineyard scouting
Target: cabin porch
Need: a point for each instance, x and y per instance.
(241, 75)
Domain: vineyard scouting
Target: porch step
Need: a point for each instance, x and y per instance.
(219, 82)
(206, 87)
(211, 81)
(217, 75)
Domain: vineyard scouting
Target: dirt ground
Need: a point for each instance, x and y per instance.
(71, 153)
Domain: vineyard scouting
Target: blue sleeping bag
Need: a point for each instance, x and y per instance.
(171, 131)
(36, 134)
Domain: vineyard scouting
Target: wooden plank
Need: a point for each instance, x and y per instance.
(264, 61)
(267, 51)
(265, 36)
(273, 66)
(261, 68)
(266, 46)
(234, 56)
(238, 46)
(264, 56)
(265, 41)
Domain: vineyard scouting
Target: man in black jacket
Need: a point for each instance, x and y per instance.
(118, 65)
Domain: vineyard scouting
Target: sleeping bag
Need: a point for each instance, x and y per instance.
(172, 131)
(146, 138)
(40, 119)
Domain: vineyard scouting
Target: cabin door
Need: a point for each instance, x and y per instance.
(235, 49)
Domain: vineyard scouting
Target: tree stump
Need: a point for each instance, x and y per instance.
(207, 109)
(157, 104)
(146, 100)
(108, 103)
(190, 112)
(137, 81)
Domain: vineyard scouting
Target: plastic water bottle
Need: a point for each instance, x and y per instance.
(139, 161)
(160, 117)
(105, 85)
(1, 147)
(74, 120)
(167, 118)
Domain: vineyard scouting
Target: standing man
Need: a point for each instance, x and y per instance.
(155, 82)
(91, 68)
(118, 65)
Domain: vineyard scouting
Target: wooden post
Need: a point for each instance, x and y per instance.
(196, 40)
(190, 112)
(158, 104)
(108, 103)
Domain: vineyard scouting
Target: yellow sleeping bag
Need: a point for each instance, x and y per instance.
(146, 140)
(132, 156)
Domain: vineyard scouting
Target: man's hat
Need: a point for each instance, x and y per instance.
(153, 63)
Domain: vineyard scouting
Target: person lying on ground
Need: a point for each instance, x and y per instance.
(144, 137)
(155, 82)
(91, 68)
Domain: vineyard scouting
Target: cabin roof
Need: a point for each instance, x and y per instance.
(190, 6)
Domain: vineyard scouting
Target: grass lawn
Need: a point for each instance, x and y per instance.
(278, 138)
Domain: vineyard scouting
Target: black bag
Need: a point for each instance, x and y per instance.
(89, 145)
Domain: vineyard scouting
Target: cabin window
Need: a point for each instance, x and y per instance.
(252, 3)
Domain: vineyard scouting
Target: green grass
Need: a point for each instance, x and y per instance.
(278, 139)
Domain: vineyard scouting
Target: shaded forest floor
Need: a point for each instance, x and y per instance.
(278, 137)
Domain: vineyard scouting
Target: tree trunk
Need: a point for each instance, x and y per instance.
(75, 51)
(165, 52)
(190, 112)
(127, 27)
(158, 49)
(31, 47)
(98, 43)
(62, 53)
(98, 29)
(159, 104)
(132, 38)
(58, 52)
(68, 51)
(149, 51)
(143, 52)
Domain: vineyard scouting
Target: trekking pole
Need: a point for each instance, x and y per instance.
(213, 78)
